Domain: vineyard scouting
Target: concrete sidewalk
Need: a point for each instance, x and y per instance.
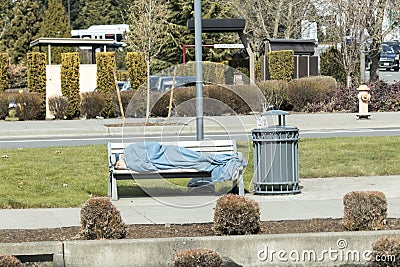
(319, 198)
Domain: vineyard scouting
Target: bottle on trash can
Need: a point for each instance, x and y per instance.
(262, 122)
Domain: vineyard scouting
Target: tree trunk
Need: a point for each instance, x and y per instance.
(374, 57)
(277, 19)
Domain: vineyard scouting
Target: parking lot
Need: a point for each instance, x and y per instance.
(389, 76)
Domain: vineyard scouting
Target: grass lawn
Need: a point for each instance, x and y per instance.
(68, 176)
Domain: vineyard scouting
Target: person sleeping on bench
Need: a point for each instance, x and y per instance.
(153, 156)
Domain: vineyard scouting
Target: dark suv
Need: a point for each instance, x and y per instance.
(389, 59)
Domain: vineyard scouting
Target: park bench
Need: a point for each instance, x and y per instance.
(217, 146)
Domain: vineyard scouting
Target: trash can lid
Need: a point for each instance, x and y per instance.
(275, 112)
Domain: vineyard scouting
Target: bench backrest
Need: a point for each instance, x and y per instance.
(210, 146)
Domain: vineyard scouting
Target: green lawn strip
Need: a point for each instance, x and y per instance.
(68, 176)
(351, 156)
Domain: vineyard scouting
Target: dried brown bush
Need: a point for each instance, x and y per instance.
(92, 104)
(58, 105)
(197, 258)
(100, 219)
(30, 106)
(364, 210)
(3, 105)
(9, 261)
(236, 215)
(309, 90)
(386, 252)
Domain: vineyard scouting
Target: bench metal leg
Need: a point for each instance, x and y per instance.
(112, 187)
(241, 185)
(109, 186)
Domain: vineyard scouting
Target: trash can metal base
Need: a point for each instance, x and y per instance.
(279, 188)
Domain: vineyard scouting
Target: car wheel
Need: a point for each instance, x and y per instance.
(396, 69)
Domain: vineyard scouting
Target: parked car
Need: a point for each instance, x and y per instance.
(389, 59)
(124, 85)
(165, 82)
(395, 45)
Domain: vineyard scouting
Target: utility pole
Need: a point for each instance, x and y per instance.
(199, 70)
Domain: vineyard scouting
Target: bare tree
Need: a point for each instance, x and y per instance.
(374, 26)
(148, 33)
(346, 21)
(358, 27)
(274, 19)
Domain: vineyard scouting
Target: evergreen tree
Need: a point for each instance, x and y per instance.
(95, 12)
(23, 29)
(182, 10)
(5, 20)
(55, 24)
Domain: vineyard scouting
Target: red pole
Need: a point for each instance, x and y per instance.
(184, 53)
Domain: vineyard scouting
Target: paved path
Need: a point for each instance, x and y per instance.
(183, 125)
(319, 198)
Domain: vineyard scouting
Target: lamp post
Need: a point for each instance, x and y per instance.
(199, 69)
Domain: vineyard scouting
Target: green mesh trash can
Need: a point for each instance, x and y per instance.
(276, 162)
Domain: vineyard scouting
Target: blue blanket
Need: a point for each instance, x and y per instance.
(152, 156)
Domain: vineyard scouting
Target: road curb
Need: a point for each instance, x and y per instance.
(298, 249)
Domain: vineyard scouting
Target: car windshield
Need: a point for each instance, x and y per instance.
(396, 48)
(387, 49)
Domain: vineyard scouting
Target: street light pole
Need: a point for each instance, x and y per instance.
(199, 70)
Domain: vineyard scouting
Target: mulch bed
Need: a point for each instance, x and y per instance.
(182, 230)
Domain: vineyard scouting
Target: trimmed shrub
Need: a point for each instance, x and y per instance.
(92, 104)
(331, 64)
(30, 106)
(126, 97)
(9, 261)
(281, 65)
(386, 252)
(309, 90)
(58, 105)
(197, 258)
(137, 105)
(70, 87)
(3, 105)
(106, 80)
(364, 210)
(100, 219)
(4, 63)
(137, 69)
(238, 99)
(36, 64)
(275, 93)
(236, 215)
(343, 99)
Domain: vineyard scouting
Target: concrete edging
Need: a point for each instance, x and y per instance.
(304, 249)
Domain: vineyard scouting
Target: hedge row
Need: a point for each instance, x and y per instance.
(218, 100)
(137, 69)
(70, 87)
(4, 62)
(281, 65)
(313, 94)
